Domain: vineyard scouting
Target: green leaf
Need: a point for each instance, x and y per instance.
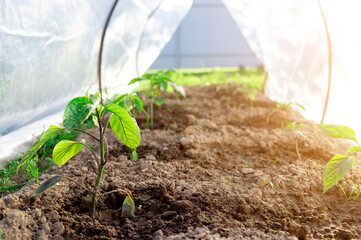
(336, 169)
(124, 126)
(164, 85)
(42, 140)
(120, 98)
(135, 80)
(353, 149)
(252, 95)
(178, 88)
(138, 103)
(128, 207)
(47, 184)
(301, 106)
(159, 100)
(286, 105)
(94, 97)
(76, 112)
(12, 187)
(338, 131)
(65, 150)
(291, 126)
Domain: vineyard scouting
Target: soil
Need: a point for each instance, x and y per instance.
(212, 168)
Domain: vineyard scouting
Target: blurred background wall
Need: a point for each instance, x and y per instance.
(207, 37)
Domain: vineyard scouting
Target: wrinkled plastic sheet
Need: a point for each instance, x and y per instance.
(289, 37)
(49, 54)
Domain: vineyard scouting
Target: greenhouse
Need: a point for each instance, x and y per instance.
(193, 119)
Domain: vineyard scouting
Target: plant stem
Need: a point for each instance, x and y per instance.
(102, 163)
(151, 111)
(95, 193)
(148, 119)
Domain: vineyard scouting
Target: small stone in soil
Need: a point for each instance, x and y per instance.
(301, 231)
(247, 170)
(15, 218)
(344, 234)
(158, 235)
(58, 228)
(189, 130)
(182, 205)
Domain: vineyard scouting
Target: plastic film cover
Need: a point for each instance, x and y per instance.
(49, 54)
(289, 37)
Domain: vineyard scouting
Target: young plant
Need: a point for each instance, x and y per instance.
(298, 133)
(130, 102)
(352, 194)
(283, 106)
(247, 90)
(268, 182)
(338, 166)
(160, 81)
(77, 112)
(31, 169)
(252, 96)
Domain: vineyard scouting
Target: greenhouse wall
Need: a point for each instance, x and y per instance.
(207, 37)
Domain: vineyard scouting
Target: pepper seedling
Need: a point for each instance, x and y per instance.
(252, 96)
(283, 106)
(160, 81)
(130, 102)
(76, 113)
(298, 133)
(338, 166)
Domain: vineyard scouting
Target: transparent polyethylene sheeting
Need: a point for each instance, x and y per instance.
(49, 54)
(289, 37)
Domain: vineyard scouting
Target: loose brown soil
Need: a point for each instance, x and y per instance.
(213, 168)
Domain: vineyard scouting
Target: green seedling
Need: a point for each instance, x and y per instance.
(298, 133)
(338, 166)
(229, 179)
(269, 183)
(242, 190)
(1, 233)
(11, 187)
(44, 162)
(248, 165)
(31, 169)
(352, 194)
(283, 106)
(130, 102)
(6, 174)
(76, 113)
(284, 213)
(208, 219)
(251, 93)
(161, 81)
(252, 96)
